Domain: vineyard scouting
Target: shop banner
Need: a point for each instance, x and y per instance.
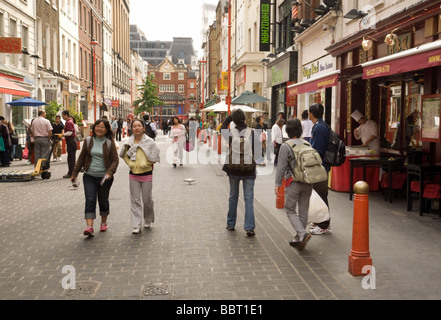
(314, 85)
(10, 45)
(265, 25)
(422, 60)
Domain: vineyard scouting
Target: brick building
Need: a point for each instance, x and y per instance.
(176, 89)
(90, 29)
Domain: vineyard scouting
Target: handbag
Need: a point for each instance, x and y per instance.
(2, 144)
(189, 146)
(318, 210)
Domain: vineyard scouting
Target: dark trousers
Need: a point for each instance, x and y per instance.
(322, 190)
(93, 190)
(71, 145)
(4, 157)
(118, 135)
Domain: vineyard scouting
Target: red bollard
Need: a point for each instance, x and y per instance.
(63, 146)
(219, 144)
(280, 200)
(78, 145)
(360, 255)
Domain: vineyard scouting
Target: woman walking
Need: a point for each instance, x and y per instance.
(140, 152)
(177, 134)
(99, 159)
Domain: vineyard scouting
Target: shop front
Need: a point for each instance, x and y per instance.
(280, 74)
(394, 80)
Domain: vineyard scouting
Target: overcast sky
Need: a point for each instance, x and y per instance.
(165, 19)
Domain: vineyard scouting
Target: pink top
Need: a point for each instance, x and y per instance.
(138, 178)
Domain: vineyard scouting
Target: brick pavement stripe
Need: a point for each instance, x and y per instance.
(187, 247)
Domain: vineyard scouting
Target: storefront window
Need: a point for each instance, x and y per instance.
(401, 131)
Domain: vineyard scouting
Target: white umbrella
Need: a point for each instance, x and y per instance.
(223, 107)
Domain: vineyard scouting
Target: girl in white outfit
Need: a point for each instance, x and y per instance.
(140, 152)
(177, 134)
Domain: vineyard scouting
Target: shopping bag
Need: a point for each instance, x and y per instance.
(189, 146)
(26, 153)
(318, 210)
(2, 144)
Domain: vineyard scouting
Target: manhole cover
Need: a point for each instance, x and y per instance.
(159, 288)
(83, 288)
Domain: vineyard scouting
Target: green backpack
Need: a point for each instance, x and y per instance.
(308, 167)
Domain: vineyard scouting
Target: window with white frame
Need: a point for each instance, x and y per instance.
(180, 76)
(166, 88)
(181, 88)
(166, 76)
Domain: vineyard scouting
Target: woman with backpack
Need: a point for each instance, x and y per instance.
(99, 159)
(177, 133)
(237, 169)
(140, 152)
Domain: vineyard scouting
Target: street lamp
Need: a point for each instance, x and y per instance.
(229, 58)
(203, 62)
(93, 43)
(131, 93)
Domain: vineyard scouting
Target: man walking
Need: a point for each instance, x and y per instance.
(41, 129)
(71, 142)
(57, 128)
(319, 141)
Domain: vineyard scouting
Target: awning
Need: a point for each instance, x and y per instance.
(422, 57)
(9, 87)
(326, 81)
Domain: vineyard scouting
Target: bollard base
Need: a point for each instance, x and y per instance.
(356, 265)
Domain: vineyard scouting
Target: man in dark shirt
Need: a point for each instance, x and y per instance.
(319, 141)
(71, 143)
(57, 128)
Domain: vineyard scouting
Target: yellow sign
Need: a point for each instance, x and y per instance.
(224, 80)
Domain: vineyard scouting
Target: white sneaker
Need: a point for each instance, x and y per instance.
(318, 230)
(136, 230)
(59, 159)
(55, 160)
(147, 225)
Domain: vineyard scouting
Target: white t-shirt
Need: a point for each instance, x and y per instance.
(365, 131)
(307, 128)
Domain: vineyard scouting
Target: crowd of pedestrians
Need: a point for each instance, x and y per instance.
(99, 160)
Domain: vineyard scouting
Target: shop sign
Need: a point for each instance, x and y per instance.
(74, 87)
(241, 75)
(115, 104)
(279, 72)
(409, 63)
(315, 85)
(291, 96)
(265, 25)
(318, 67)
(10, 45)
(224, 81)
(49, 83)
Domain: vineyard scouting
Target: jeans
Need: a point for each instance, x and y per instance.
(94, 190)
(248, 190)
